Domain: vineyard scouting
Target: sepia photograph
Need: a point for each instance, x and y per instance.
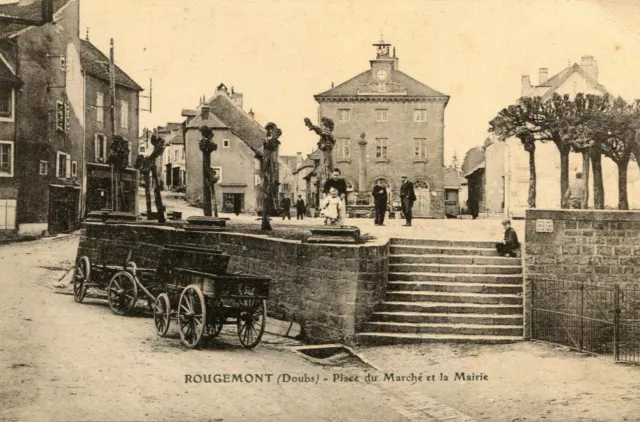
(320, 210)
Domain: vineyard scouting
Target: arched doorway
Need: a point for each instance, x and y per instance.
(422, 206)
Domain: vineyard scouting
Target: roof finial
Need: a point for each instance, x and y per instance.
(381, 37)
(87, 33)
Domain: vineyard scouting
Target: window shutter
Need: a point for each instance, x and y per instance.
(67, 120)
(68, 167)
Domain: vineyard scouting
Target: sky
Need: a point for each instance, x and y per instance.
(279, 53)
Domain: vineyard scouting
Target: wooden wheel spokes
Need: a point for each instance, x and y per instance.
(122, 292)
(81, 278)
(192, 315)
(162, 314)
(251, 322)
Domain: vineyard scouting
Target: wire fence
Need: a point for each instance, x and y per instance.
(598, 318)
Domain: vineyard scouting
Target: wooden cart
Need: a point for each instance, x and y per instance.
(190, 285)
(202, 302)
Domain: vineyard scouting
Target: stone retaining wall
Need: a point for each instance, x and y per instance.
(330, 290)
(592, 246)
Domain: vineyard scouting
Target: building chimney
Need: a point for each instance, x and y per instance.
(543, 75)
(590, 66)
(251, 114)
(525, 85)
(331, 84)
(238, 99)
(204, 112)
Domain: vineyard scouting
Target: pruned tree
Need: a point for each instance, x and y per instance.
(523, 120)
(617, 130)
(207, 146)
(270, 173)
(143, 166)
(158, 149)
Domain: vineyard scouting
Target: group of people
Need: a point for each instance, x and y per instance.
(285, 205)
(335, 191)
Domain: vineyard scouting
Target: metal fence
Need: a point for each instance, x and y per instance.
(598, 318)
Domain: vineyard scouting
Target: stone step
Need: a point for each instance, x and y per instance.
(408, 338)
(452, 259)
(450, 308)
(439, 328)
(448, 268)
(427, 317)
(452, 287)
(445, 297)
(455, 277)
(446, 243)
(441, 250)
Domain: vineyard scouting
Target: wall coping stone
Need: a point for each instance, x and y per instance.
(581, 215)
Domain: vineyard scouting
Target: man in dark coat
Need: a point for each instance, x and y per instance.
(407, 198)
(510, 243)
(286, 207)
(300, 208)
(380, 198)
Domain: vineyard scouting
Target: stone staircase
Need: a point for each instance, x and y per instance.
(448, 291)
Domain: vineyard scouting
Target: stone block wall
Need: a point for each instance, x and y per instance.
(593, 246)
(330, 290)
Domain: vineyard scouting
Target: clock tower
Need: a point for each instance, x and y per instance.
(381, 67)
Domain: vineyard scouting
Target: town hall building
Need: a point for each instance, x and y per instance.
(402, 121)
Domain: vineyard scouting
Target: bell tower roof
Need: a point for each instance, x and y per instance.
(382, 48)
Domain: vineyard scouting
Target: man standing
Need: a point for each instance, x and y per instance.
(286, 207)
(380, 198)
(573, 195)
(300, 208)
(336, 181)
(510, 243)
(407, 197)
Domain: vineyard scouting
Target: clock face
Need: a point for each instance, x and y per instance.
(382, 74)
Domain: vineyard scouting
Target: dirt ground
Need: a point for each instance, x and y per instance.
(60, 360)
(527, 381)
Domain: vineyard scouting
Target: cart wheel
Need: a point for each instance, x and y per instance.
(81, 278)
(122, 292)
(162, 314)
(252, 318)
(192, 314)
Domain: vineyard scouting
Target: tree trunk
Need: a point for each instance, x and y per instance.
(598, 184)
(206, 187)
(532, 178)
(623, 202)
(158, 196)
(266, 211)
(564, 173)
(147, 192)
(584, 203)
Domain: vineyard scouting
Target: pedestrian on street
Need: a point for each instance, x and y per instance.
(407, 198)
(510, 243)
(573, 195)
(286, 207)
(300, 208)
(380, 198)
(336, 181)
(237, 207)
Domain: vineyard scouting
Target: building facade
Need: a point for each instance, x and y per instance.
(388, 124)
(41, 121)
(98, 122)
(236, 161)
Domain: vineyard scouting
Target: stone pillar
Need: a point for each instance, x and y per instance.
(362, 166)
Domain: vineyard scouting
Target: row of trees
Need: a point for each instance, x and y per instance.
(592, 125)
